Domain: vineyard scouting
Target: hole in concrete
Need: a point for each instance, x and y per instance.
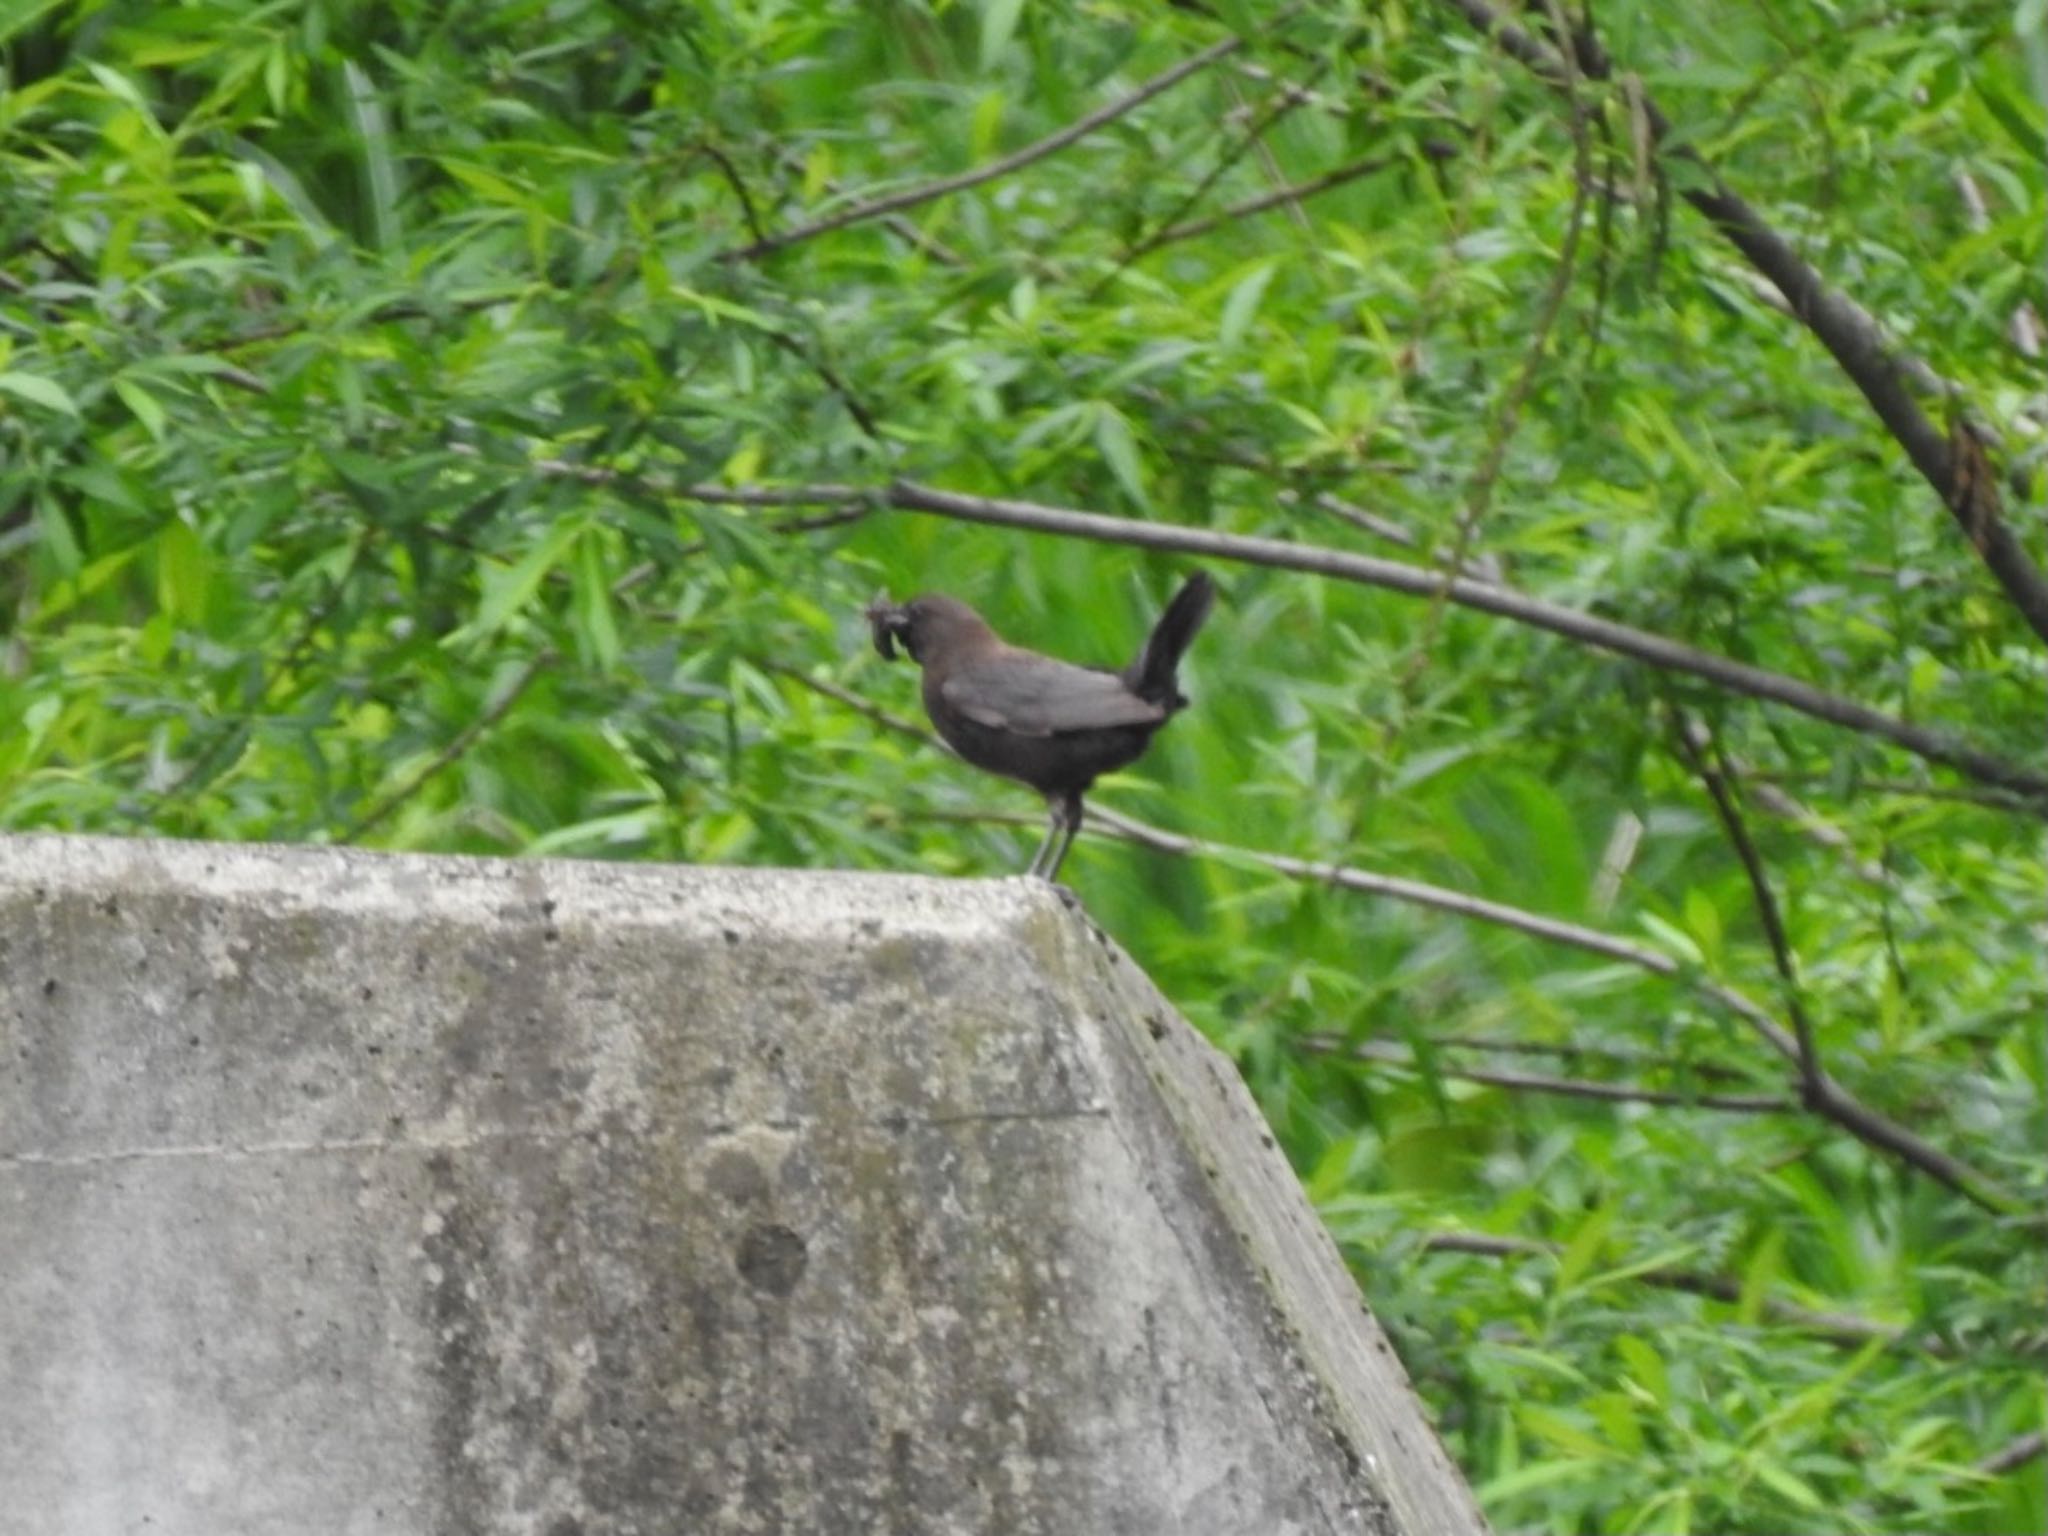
(772, 1259)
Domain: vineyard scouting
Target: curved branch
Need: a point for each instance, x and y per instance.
(945, 186)
(1298, 192)
(1831, 1101)
(1702, 754)
(1952, 463)
(1486, 597)
(2014, 1454)
(1544, 1082)
(461, 743)
(2029, 785)
(1843, 1328)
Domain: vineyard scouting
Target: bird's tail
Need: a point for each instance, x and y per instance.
(1151, 676)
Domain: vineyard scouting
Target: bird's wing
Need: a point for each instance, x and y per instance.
(1037, 696)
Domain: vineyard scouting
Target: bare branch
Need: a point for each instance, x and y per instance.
(1575, 1050)
(2029, 787)
(1829, 1100)
(946, 186)
(1536, 1082)
(1951, 462)
(1419, 893)
(1697, 745)
(462, 742)
(1622, 639)
(1287, 196)
(1820, 1092)
(1844, 1328)
(1483, 568)
(1507, 417)
(2014, 1454)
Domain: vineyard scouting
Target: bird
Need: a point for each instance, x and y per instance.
(1043, 722)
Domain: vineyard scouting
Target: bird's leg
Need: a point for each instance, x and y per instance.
(1067, 810)
(1052, 832)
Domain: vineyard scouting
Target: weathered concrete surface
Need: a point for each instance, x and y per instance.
(351, 1193)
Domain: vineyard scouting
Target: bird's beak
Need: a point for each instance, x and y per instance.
(886, 622)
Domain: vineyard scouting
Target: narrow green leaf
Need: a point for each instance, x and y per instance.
(1537, 1474)
(998, 25)
(181, 573)
(373, 142)
(1243, 303)
(1548, 1424)
(58, 538)
(595, 627)
(984, 125)
(1675, 939)
(1793, 1488)
(1584, 1247)
(508, 591)
(20, 15)
(1645, 1365)
(122, 88)
(145, 406)
(37, 390)
(1113, 440)
(1763, 1267)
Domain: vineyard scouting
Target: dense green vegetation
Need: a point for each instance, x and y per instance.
(477, 426)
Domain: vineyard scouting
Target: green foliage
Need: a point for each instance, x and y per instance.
(353, 359)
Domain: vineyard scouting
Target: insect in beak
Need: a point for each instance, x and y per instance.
(886, 622)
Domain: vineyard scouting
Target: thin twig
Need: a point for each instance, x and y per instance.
(2014, 1454)
(2028, 786)
(862, 416)
(1344, 565)
(946, 186)
(1575, 1050)
(463, 741)
(1282, 103)
(1833, 1101)
(1844, 1328)
(1485, 568)
(1540, 1082)
(2025, 325)
(1702, 753)
(1501, 433)
(1966, 794)
(1299, 192)
(1808, 821)
(397, 309)
(904, 229)
(1639, 645)
(733, 179)
(1951, 462)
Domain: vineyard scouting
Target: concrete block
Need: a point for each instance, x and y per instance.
(344, 1192)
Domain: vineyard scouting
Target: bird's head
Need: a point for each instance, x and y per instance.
(923, 625)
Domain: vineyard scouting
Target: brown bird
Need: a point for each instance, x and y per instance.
(1047, 723)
